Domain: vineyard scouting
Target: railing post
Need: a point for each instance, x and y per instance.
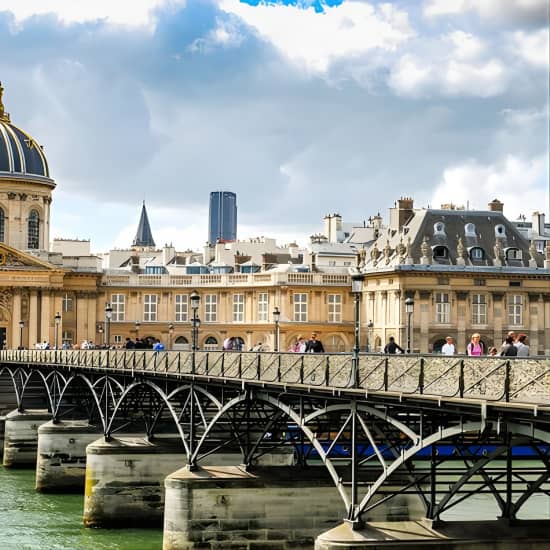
(302, 370)
(421, 377)
(507, 381)
(179, 362)
(461, 379)
(386, 365)
(258, 367)
(278, 367)
(327, 372)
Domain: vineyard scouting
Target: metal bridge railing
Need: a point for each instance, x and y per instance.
(521, 380)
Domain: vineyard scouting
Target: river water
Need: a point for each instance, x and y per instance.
(34, 521)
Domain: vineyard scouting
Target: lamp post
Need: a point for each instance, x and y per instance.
(170, 334)
(138, 324)
(370, 326)
(195, 300)
(409, 308)
(356, 288)
(21, 327)
(276, 319)
(57, 320)
(108, 316)
(100, 330)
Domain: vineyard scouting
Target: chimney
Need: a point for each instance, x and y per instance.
(537, 224)
(401, 213)
(496, 206)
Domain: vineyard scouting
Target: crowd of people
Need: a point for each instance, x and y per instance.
(514, 345)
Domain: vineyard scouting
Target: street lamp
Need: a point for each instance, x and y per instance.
(108, 315)
(21, 327)
(170, 334)
(409, 308)
(370, 326)
(356, 289)
(195, 300)
(276, 319)
(57, 320)
(100, 330)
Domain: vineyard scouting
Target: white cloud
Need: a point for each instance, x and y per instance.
(417, 77)
(466, 46)
(138, 13)
(317, 39)
(517, 182)
(532, 47)
(513, 10)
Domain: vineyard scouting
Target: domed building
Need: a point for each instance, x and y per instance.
(25, 188)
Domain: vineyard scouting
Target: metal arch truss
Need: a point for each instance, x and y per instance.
(374, 448)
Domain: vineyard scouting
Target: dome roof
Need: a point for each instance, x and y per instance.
(19, 153)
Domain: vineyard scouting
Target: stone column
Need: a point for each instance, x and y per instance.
(13, 340)
(533, 310)
(2, 427)
(46, 318)
(21, 436)
(61, 457)
(33, 319)
(425, 312)
(92, 320)
(81, 318)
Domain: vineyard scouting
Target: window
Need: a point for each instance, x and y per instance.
(34, 230)
(439, 228)
(238, 308)
(149, 307)
(500, 231)
(470, 230)
(479, 309)
(442, 308)
(335, 343)
(334, 308)
(515, 309)
(67, 303)
(441, 253)
(263, 307)
(513, 254)
(182, 311)
(477, 253)
(118, 305)
(479, 282)
(2, 223)
(210, 308)
(514, 283)
(67, 339)
(300, 308)
(117, 339)
(210, 343)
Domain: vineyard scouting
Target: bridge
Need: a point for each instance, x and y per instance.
(432, 430)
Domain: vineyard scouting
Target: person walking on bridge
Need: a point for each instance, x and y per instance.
(392, 346)
(313, 345)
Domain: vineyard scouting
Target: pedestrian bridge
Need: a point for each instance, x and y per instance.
(440, 428)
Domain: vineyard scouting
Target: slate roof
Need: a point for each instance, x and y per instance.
(143, 237)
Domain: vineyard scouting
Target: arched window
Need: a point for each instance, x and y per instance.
(439, 228)
(477, 254)
(513, 254)
(34, 230)
(181, 344)
(470, 230)
(181, 340)
(335, 343)
(2, 220)
(441, 254)
(210, 343)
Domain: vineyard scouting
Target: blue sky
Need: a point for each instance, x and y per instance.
(301, 108)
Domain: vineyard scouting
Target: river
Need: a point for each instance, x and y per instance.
(34, 521)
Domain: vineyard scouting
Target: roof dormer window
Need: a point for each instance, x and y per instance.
(470, 230)
(477, 254)
(513, 254)
(439, 228)
(441, 254)
(500, 230)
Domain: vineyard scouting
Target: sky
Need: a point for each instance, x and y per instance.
(303, 108)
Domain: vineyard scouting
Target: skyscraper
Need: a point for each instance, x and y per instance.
(222, 220)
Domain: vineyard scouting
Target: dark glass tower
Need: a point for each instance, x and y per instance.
(222, 220)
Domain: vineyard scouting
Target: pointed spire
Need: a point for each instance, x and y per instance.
(5, 117)
(143, 237)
